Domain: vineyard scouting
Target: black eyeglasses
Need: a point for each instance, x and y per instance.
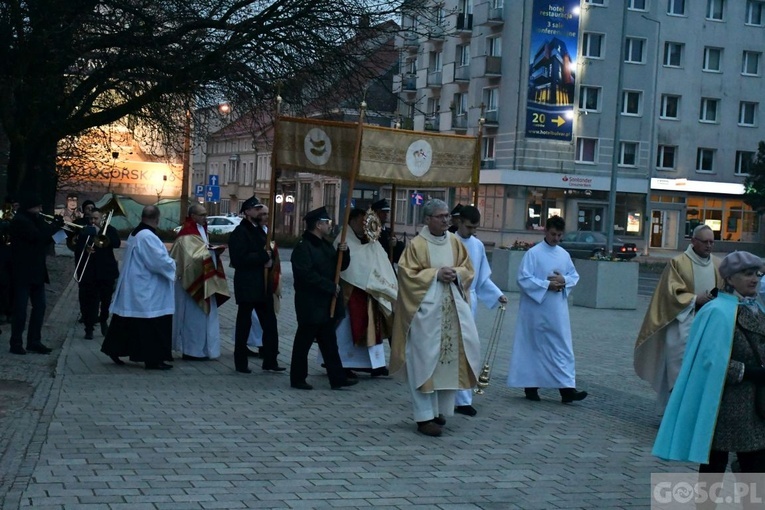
(440, 216)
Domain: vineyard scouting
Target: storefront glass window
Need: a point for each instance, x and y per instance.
(729, 218)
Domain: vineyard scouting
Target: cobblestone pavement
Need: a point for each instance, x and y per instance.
(202, 436)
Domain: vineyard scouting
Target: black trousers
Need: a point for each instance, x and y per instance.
(267, 319)
(95, 298)
(324, 334)
(750, 462)
(23, 294)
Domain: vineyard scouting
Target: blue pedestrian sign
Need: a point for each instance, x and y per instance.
(212, 193)
(416, 198)
(212, 180)
(199, 190)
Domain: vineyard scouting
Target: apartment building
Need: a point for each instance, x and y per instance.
(665, 93)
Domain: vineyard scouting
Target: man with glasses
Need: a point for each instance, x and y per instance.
(435, 341)
(200, 288)
(688, 282)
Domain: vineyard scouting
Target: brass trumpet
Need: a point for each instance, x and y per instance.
(68, 224)
(491, 351)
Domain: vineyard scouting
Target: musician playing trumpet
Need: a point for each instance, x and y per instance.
(96, 271)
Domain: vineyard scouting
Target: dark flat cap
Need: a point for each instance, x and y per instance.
(319, 214)
(249, 204)
(456, 210)
(381, 205)
(738, 261)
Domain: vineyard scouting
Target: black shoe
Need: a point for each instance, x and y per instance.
(39, 349)
(380, 372)
(158, 366)
(188, 357)
(568, 395)
(532, 394)
(116, 360)
(104, 328)
(17, 349)
(429, 428)
(439, 420)
(89, 335)
(244, 370)
(301, 386)
(253, 354)
(274, 368)
(466, 410)
(347, 382)
(350, 374)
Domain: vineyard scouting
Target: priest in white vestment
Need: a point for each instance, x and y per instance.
(482, 289)
(686, 284)
(200, 288)
(543, 353)
(435, 343)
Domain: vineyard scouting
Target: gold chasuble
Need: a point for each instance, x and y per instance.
(433, 326)
(197, 272)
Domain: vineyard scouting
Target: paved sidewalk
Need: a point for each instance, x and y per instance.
(203, 436)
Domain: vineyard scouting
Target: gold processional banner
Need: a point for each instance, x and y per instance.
(316, 146)
(388, 156)
(415, 158)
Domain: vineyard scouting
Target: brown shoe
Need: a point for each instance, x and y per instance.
(429, 428)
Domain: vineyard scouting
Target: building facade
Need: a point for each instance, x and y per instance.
(663, 96)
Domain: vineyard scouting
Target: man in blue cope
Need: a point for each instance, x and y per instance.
(543, 354)
(482, 288)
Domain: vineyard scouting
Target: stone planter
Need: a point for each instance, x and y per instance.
(504, 268)
(605, 284)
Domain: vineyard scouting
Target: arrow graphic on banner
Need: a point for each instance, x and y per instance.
(559, 121)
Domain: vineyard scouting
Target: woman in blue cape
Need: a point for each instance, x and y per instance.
(713, 408)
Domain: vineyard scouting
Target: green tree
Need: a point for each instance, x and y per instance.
(754, 184)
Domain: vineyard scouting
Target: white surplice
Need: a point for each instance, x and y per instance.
(145, 285)
(194, 332)
(543, 354)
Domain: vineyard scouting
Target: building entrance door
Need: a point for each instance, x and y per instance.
(664, 231)
(591, 217)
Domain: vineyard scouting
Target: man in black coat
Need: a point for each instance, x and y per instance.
(97, 271)
(250, 258)
(393, 247)
(30, 236)
(314, 262)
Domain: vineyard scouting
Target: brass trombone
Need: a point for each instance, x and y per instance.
(68, 225)
(92, 241)
(491, 351)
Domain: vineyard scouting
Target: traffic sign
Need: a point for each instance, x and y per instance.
(212, 180)
(199, 190)
(212, 193)
(416, 198)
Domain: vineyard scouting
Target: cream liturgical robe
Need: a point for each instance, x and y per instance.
(543, 354)
(434, 335)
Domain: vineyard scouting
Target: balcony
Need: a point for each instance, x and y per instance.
(493, 66)
(491, 118)
(432, 122)
(409, 82)
(436, 33)
(464, 23)
(435, 79)
(459, 122)
(462, 73)
(495, 16)
(411, 40)
(488, 164)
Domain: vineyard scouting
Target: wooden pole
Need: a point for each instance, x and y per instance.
(392, 220)
(272, 185)
(347, 213)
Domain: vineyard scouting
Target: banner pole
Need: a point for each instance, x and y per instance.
(477, 158)
(272, 186)
(347, 213)
(392, 220)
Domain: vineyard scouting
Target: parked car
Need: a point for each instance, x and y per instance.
(585, 244)
(218, 224)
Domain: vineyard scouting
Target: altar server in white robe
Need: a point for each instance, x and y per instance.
(482, 289)
(200, 289)
(435, 342)
(543, 354)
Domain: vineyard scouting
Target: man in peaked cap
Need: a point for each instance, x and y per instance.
(381, 208)
(455, 216)
(314, 261)
(251, 257)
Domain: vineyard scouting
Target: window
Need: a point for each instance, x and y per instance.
(463, 53)
(715, 9)
(434, 105)
(586, 149)
(670, 106)
(744, 160)
(628, 154)
(638, 5)
(592, 45)
(436, 60)
(665, 157)
(466, 6)
(225, 205)
(750, 64)
(705, 159)
(708, 111)
(494, 46)
(460, 104)
(633, 52)
(712, 59)
(631, 101)
(747, 114)
(673, 54)
(676, 7)
(589, 98)
(491, 99)
(754, 13)
(330, 198)
(595, 2)
(487, 151)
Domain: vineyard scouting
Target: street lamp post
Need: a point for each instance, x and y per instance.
(647, 220)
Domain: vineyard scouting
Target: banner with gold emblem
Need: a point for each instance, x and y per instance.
(316, 146)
